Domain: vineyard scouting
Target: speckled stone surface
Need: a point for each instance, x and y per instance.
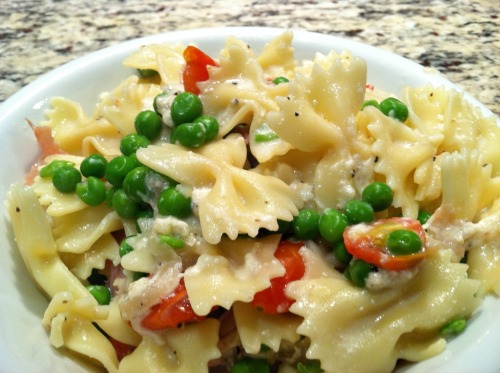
(459, 38)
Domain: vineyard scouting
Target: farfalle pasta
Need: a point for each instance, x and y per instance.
(274, 243)
(247, 193)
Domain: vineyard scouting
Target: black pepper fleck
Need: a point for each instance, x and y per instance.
(18, 209)
(296, 114)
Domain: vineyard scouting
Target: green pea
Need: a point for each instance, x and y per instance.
(359, 212)
(211, 126)
(404, 242)
(185, 108)
(172, 202)
(173, 135)
(366, 103)
(454, 327)
(332, 225)
(249, 365)
(191, 135)
(101, 293)
(66, 178)
(423, 216)
(118, 168)
(125, 248)
(48, 170)
(147, 73)
(306, 224)
(125, 206)
(347, 275)
(92, 191)
(172, 241)
(311, 366)
(155, 101)
(135, 160)
(94, 165)
(394, 108)
(135, 184)
(109, 196)
(280, 80)
(133, 141)
(341, 253)
(358, 272)
(378, 195)
(149, 124)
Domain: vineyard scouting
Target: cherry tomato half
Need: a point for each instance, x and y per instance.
(196, 68)
(273, 299)
(368, 242)
(173, 310)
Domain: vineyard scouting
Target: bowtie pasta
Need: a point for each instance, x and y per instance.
(250, 212)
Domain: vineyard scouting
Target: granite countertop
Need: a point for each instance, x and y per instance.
(459, 38)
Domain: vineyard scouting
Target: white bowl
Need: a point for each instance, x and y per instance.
(24, 345)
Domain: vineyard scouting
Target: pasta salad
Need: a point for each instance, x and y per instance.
(250, 212)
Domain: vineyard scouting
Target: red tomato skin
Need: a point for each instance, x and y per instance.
(173, 311)
(196, 68)
(175, 308)
(363, 246)
(121, 349)
(273, 299)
